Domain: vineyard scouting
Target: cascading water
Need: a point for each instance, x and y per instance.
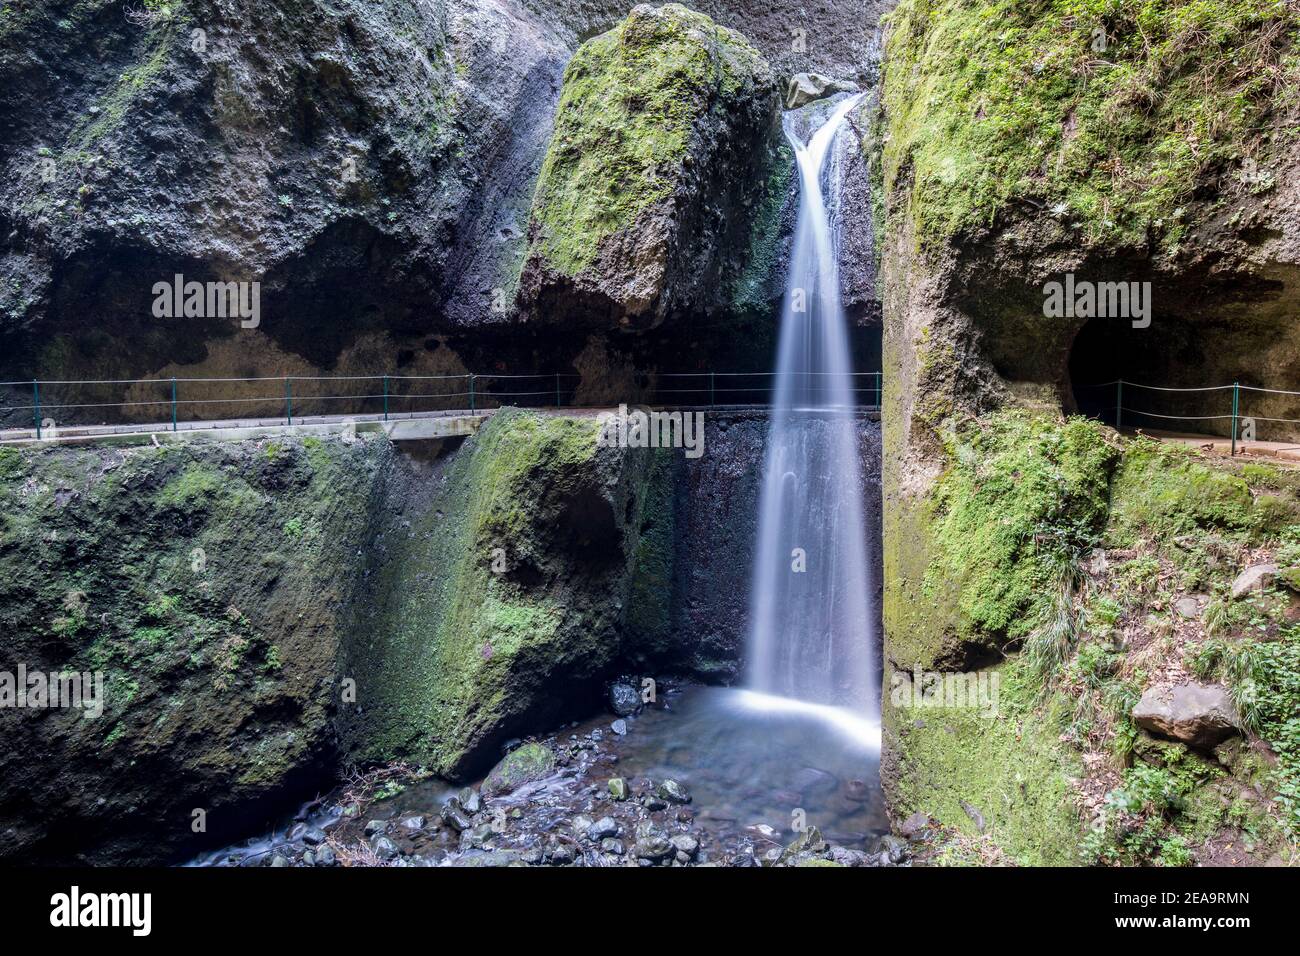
(811, 636)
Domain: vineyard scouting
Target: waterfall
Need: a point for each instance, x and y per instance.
(811, 636)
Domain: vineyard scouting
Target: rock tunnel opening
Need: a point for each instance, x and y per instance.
(1182, 375)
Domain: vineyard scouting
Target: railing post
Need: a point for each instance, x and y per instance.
(1235, 407)
(36, 406)
(1119, 404)
(557, 390)
(385, 398)
(471, 391)
(288, 401)
(173, 404)
(713, 399)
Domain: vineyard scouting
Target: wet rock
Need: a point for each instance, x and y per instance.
(1257, 577)
(454, 815)
(308, 858)
(624, 700)
(560, 854)
(652, 842)
(685, 844)
(533, 855)
(415, 822)
(892, 850)
(673, 792)
(913, 826)
(530, 762)
(489, 858)
(470, 800)
(810, 841)
(859, 791)
(611, 845)
(278, 861)
(325, 856)
(847, 857)
(313, 836)
(375, 826)
(804, 88)
(653, 802)
(619, 727)
(1200, 715)
(384, 848)
(618, 788)
(601, 829)
(811, 780)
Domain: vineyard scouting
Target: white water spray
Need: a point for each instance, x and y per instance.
(811, 636)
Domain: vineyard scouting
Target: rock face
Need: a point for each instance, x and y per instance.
(496, 605)
(372, 165)
(209, 585)
(1200, 715)
(694, 553)
(663, 132)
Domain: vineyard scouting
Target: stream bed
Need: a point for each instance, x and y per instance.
(709, 775)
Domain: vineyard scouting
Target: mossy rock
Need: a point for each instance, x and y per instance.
(663, 114)
(528, 763)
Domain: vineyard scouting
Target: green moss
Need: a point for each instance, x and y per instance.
(649, 612)
(1023, 495)
(1009, 768)
(1162, 490)
(466, 637)
(532, 761)
(192, 488)
(111, 110)
(997, 103)
(626, 115)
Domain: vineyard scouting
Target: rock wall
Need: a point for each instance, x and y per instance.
(371, 165)
(1007, 159)
(691, 591)
(210, 586)
(265, 612)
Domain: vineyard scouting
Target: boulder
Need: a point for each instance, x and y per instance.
(804, 88)
(1257, 577)
(644, 202)
(1200, 715)
(624, 700)
(530, 762)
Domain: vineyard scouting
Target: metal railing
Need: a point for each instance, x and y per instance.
(293, 397)
(1233, 410)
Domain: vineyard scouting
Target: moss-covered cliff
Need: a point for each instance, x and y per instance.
(209, 586)
(498, 609)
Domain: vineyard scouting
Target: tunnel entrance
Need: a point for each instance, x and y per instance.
(1182, 376)
(1169, 382)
